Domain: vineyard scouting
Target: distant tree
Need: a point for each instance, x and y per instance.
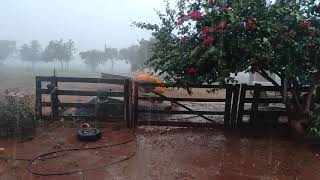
(6, 48)
(111, 54)
(59, 51)
(31, 53)
(93, 58)
(137, 55)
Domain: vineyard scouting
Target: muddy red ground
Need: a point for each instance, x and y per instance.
(163, 153)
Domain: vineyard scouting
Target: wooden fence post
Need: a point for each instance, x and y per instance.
(234, 108)
(254, 105)
(229, 89)
(243, 90)
(38, 108)
(135, 105)
(127, 102)
(54, 98)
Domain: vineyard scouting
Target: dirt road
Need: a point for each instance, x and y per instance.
(163, 153)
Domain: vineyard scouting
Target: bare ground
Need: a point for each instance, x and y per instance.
(166, 153)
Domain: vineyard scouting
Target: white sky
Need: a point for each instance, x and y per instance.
(90, 23)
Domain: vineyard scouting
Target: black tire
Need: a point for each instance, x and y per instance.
(89, 134)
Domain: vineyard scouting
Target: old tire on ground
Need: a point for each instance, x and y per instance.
(89, 134)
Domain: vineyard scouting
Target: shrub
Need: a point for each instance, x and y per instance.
(17, 117)
(314, 130)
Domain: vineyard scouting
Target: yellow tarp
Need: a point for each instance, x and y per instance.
(149, 78)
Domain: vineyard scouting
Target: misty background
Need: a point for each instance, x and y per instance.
(90, 24)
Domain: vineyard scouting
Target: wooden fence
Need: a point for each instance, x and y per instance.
(56, 105)
(230, 106)
(272, 114)
(235, 100)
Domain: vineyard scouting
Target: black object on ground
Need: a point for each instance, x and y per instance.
(89, 134)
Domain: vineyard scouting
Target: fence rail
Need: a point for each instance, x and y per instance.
(40, 104)
(235, 101)
(227, 100)
(254, 112)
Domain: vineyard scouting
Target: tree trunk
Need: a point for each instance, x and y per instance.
(112, 65)
(33, 65)
(93, 68)
(61, 65)
(67, 66)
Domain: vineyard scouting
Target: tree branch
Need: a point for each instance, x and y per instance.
(313, 86)
(284, 91)
(296, 95)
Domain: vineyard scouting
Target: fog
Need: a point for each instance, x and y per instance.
(90, 24)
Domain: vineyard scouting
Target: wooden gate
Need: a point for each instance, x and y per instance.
(229, 112)
(256, 106)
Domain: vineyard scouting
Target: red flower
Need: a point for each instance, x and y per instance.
(310, 45)
(181, 20)
(195, 15)
(210, 2)
(307, 24)
(279, 46)
(205, 30)
(192, 71)
(224, 8)
(286, 34)
(184, 39)
(251, 25)
(311, 33)
(208, 41)
(222, 26)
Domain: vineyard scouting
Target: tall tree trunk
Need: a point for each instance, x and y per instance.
(33, 65)
(61, 65)
(112, 64)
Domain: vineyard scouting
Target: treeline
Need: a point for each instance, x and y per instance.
(64, 51)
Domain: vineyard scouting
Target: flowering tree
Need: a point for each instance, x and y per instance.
(207, 41)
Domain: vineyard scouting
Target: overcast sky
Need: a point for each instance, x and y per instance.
(90, 23)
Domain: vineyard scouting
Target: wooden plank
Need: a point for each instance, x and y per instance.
(182, 112)
(85, 117)
(280, 112)
(114, 76)
(243, 90)
(178, 124)
(254, 105)
(274, 88)
(83, 80)
(135, 105)
(228, 104)
(54, 98)
(263, 100)
(127, 102)
(214, 86)
(76, 105)
(82, 93)
(235, 100)
(149, 98)
(38, 107)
